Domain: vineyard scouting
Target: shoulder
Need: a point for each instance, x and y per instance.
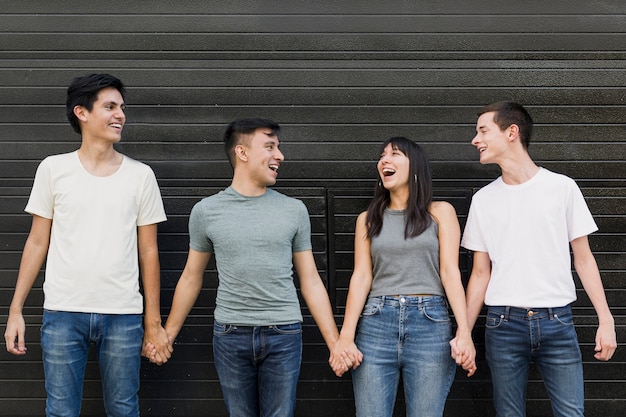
(442, 210)
(136, 165)
(284, 201)
(555, 177)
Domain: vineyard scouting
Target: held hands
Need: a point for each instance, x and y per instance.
(464, 353)
(157, 346)
(344, 356)
(14, 334)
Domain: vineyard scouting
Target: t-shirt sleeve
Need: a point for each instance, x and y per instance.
(579, 219)
(302, 238)
(41, 201)
(198, 240)
(473, 238)
(151, 206)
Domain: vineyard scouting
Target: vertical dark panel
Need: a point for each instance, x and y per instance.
(340, 77)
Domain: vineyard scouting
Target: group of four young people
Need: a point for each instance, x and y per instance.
(95, 215)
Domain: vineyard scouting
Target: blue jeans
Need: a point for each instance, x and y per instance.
(408, 336)
(515, 337)
(258, 368)
(65, 341)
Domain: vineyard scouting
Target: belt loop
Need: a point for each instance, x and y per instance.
(507, 312)
(550, 313)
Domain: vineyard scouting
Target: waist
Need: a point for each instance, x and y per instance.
(412, 300)
(529, 312)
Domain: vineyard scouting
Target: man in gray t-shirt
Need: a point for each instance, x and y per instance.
(257, 236)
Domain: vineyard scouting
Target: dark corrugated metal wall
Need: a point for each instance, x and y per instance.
(340, 77)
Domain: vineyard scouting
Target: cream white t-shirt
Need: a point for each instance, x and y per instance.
(526, 229)
(92, 263)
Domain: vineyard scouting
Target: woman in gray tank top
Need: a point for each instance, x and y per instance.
(406, 270)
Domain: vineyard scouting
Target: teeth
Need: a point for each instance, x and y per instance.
(388, 171)
(274, 167)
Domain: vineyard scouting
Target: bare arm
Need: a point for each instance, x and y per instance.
(360, 285)
(151, 280)
(449, 240)
(477, 286)
(187, 291)
(33, 257)
(316, 297)
(587, 269)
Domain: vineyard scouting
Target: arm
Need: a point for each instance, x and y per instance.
(151, 280)
(360, 285)
(587, 269)
(449, 239)
(187, 291)
(315, 296)
(33, 257)
(477, 286)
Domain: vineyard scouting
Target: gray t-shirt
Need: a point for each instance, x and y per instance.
(253, 240)
(405, 266)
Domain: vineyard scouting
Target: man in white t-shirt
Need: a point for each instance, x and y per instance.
(520, 228)
(95, 213)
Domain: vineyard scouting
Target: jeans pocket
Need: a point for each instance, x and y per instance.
(494, 321)
(372, 307)
(221, 329)
(565, 319)
(437, 313)
(293, 328)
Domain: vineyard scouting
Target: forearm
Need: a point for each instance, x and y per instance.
(456, 297)
(318, 303)
(33, 258)
(185, 296)
(592, 283)
(357, 296)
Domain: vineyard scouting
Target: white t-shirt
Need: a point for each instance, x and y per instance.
(526, 229)
(92, 263)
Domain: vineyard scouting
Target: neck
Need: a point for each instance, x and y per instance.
(100, 161)
(245, 186)
(398, 199)
(518, 171)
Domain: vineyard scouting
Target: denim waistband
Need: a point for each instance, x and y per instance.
(529, 313)
(396, 300)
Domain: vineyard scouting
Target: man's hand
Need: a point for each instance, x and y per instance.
(157, 345)
(14, 334)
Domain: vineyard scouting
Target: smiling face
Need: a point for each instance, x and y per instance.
(490, 141)
(262, 156)
(393, 168)
(105, 121)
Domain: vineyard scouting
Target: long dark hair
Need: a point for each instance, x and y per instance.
(417, 217)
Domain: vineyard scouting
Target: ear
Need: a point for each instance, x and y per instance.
(240, 152)
(513, 132)
(81, 113)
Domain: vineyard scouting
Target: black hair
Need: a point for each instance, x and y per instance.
(83, 91)
(417, 217)
(240, 127)
(509, 113)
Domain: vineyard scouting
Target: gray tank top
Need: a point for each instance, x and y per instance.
(405, 266)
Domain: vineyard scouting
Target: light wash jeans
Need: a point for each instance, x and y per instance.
(65, 340)
(258, 368)
(408, 336)
(514, 338)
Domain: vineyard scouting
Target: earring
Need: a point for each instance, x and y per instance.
(415, 178)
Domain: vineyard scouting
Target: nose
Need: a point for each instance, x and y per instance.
(119, 114)
(475, 140)
(279, 155)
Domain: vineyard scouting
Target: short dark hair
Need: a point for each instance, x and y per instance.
(509, 113)
(237, 128)
(83, 91)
